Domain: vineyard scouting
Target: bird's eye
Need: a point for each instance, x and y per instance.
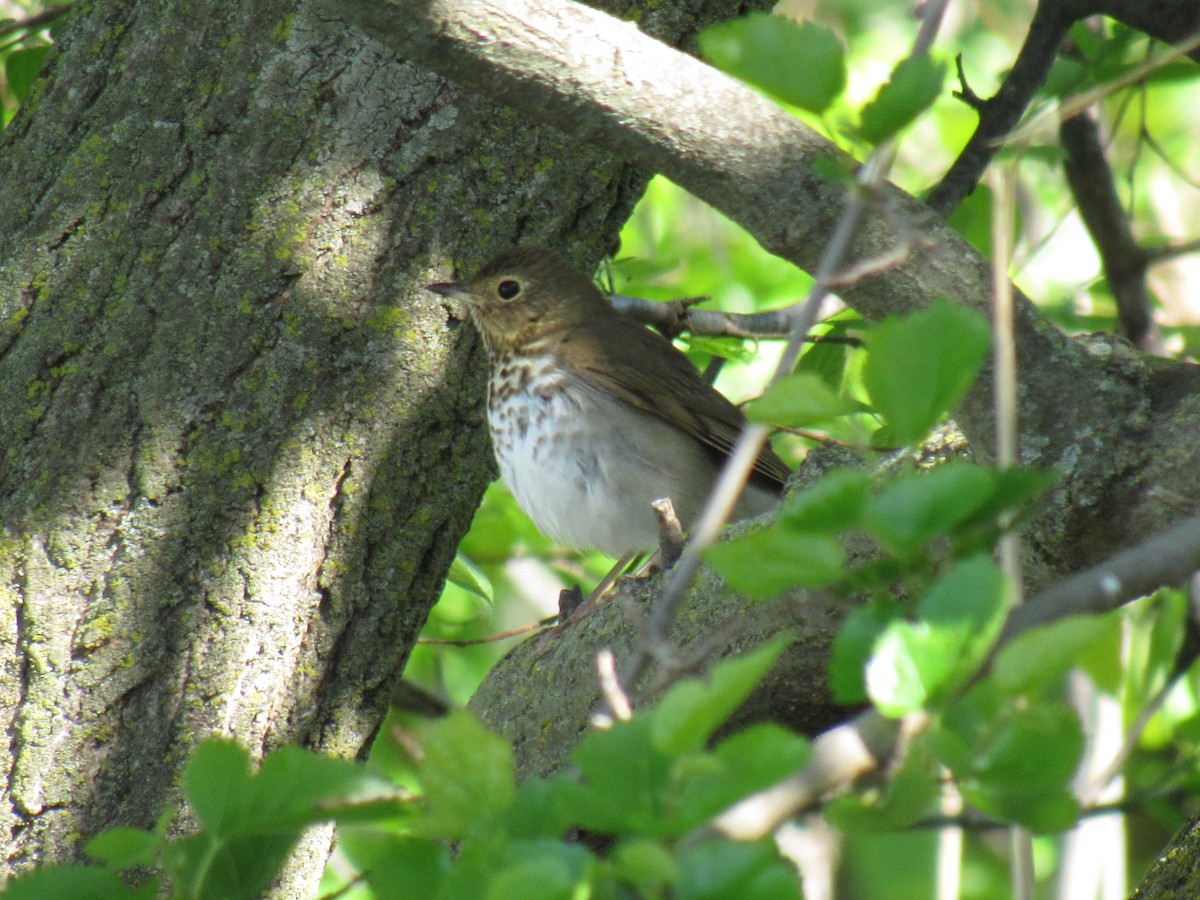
(508, 289)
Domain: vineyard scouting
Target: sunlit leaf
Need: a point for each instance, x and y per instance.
(915, 84)
(800, 63)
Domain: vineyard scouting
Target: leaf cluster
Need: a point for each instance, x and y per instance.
(646, 786)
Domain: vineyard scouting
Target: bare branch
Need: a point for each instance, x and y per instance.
(1169, 559)
(999, 114)
(1155, 255)
(1171, 23)
(1091, 182)
(675, 317)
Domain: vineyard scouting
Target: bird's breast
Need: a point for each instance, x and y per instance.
(584, 465)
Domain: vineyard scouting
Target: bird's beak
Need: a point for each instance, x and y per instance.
(453, 290)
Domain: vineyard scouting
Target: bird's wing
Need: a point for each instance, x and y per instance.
(679, 394)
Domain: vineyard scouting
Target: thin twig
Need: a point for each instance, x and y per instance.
(1166, 252)
(1001, 112)
(1089, 795)
(1091, 181)
(1077, 103)
(491, 638)
(1004, 388)
(675, 317)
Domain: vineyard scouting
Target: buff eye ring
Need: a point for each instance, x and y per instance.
(508, 289)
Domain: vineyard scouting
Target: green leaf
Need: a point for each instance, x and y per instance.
(909, 663)
(800, 400)
(216, 782)
(914, 85)
(970, 604)
(234, 867)
(1156, 629)
(468, 774)
(853, 646)
(908, 796)
(91, 882)
(648, 865)
(914, 509)
(765, 752)
(768, 562)
(972, 218)
(1012, 759)
(826, 360)
(539, 870)
(833, 504)
(693, 709)
(1042, 812)
(251, 821)
(1011, 490)
(919, 367)
(724, 870)
(731, 348)
(915, 663)
(1042, 655)
(396, 866)
(21, 69)
(802, 64)
(749, 761)
(295, 787)
(469, 577)
(122, 847)
(620, 798)
(538, 810)
(1067, 76)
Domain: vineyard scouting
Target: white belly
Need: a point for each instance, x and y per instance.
(586, 469)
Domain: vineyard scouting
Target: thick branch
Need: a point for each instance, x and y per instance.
(603, 81)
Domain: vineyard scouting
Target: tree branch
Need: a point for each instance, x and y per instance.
(1169, 21)
(675, 317)
(1125, 263)
(999, 114)
(1166, 560)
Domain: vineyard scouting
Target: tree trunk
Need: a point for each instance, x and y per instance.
(240, 442)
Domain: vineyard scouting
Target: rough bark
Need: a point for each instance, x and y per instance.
(240, 442)
(1176, 872)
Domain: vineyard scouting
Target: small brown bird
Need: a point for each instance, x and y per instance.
(594, 416)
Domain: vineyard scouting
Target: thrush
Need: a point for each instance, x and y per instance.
(592, 415)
